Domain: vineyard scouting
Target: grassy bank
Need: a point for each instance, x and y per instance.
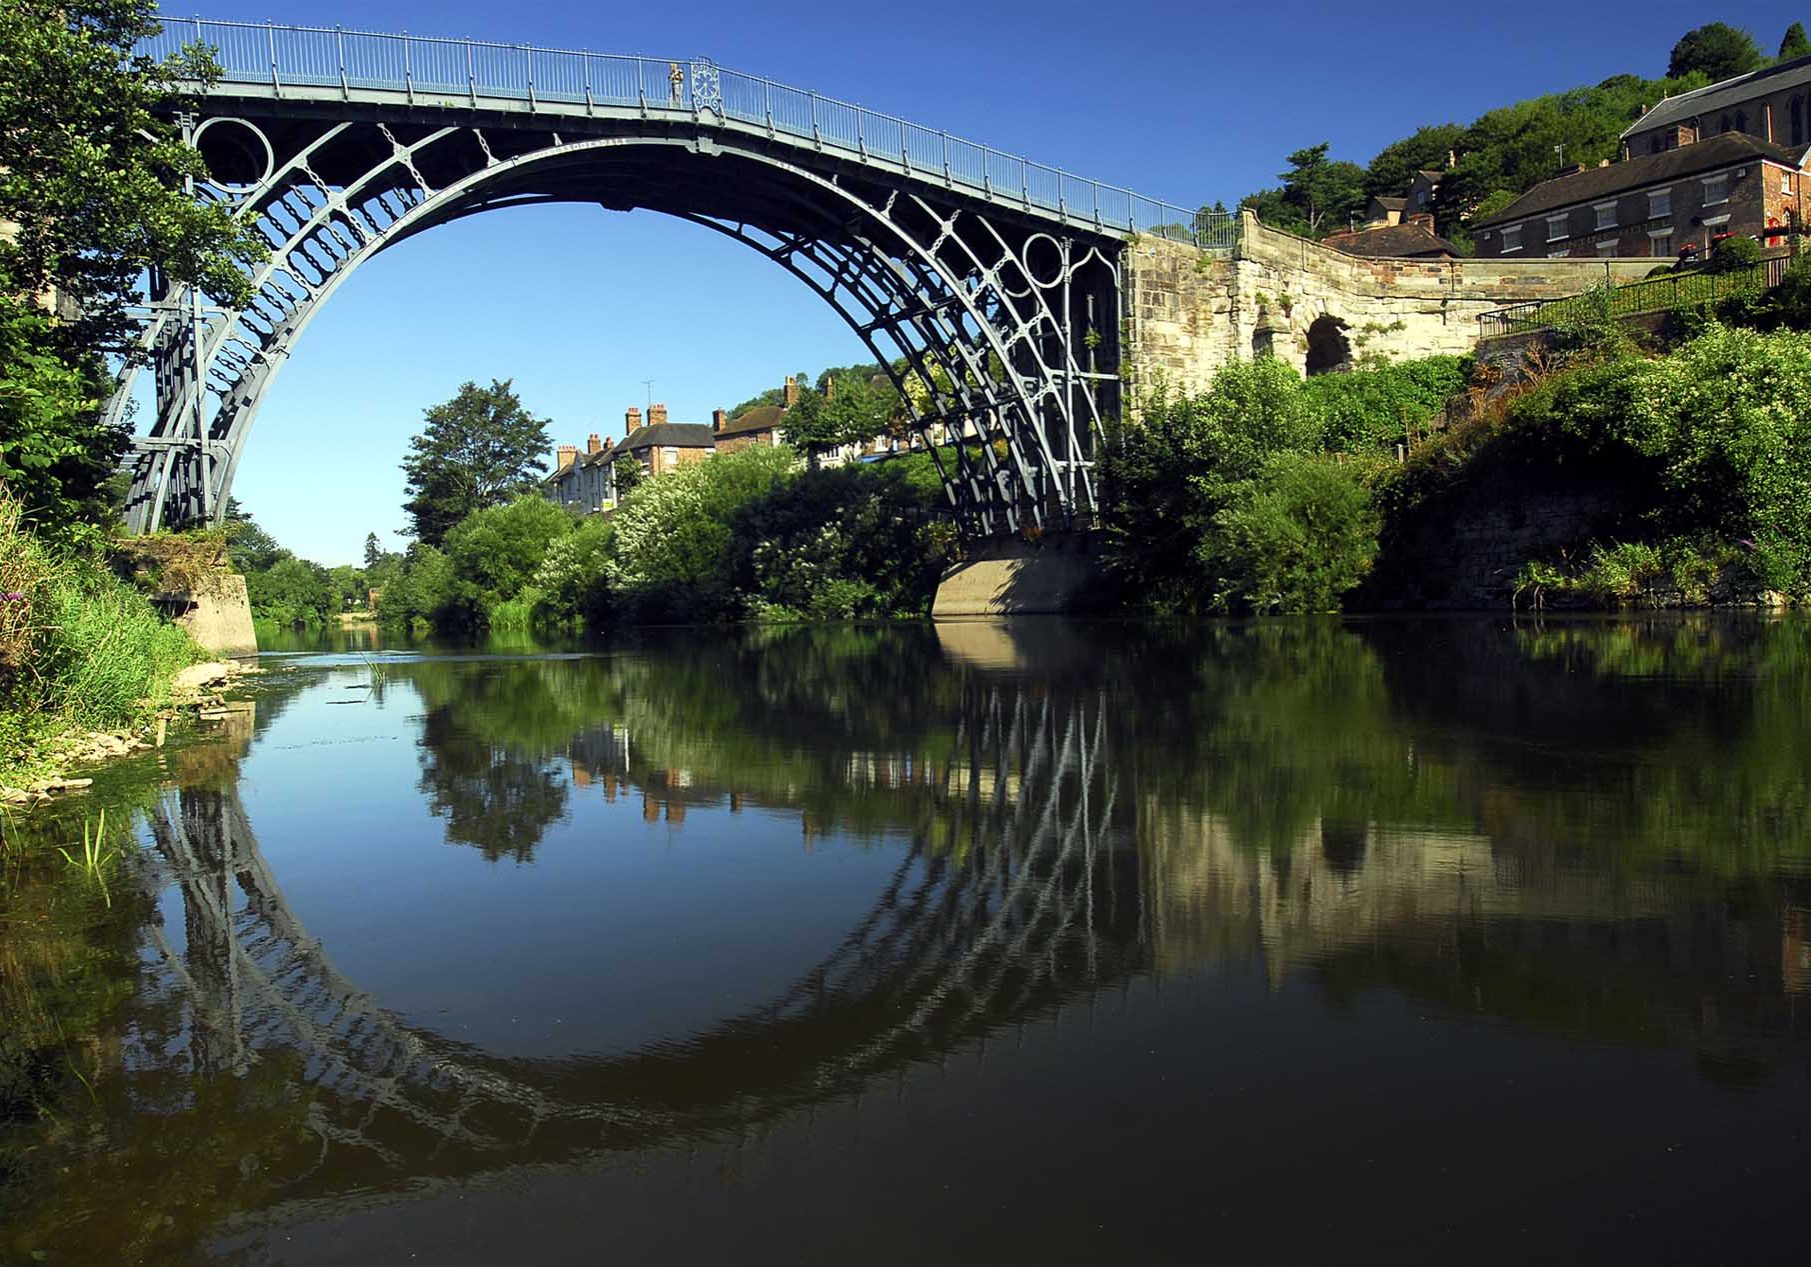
(80, 650)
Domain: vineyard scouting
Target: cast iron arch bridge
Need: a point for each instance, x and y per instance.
(990, 286)
(1039, 910)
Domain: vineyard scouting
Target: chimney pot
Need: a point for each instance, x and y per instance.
(593, 445)
(657, 415)
(792, 391)
(568, 454)
(632, 419)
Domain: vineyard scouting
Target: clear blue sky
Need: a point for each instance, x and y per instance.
(1187, 102)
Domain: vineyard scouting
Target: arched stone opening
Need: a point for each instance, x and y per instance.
(1329, 352)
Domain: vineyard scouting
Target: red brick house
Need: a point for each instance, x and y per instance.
(1654, 204)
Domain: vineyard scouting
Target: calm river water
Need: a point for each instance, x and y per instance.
(1405, 941)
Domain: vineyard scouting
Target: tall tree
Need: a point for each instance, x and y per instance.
(374, 552)
(92, 177)
(1794, 43)
(481, 448)
(1321, 194)
(1715, 49)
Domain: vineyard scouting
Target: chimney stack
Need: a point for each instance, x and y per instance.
(719, 419)
(1423, 218)
(568, 454)
(829, 389)
(632, 420)
(657, 415)
(792, 392)
(594, 446)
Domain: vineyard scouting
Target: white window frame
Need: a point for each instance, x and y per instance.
(1716, 222)
(1565, 224)
(1786, 183)
(1600, 208)
(1508, 245)
(1560, 254)
(669, 454)
(1607, 247)
(1654, 213)
(1715, 182)
(1656, 237)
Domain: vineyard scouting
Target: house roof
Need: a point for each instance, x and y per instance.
(1395, 241)
(760, 418)
(678, 435)
(1390, 204)
(1722, 94)
(1648, 169)
(1433, 177)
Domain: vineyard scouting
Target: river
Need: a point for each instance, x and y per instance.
(1040, 942)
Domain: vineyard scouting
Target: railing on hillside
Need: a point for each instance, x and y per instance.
(317, 58)
(1654, 294)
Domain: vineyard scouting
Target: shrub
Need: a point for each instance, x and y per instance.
(569, 584)
(670, 549)
(834, 544)
(1732, 255)
(1294, 540)
(492, 554)
(1384, 405)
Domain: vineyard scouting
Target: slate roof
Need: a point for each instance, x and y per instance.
(1597, 183)
(760, 418)
(1390, 204)
(1395, 241)
(678, 435)
(1723, 94)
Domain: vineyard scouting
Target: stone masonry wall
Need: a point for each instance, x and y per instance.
(1188, 314)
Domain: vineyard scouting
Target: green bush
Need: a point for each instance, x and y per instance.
(1383, 405)
(835, 544)
(1218, 502)
(670, 555)
(569, 584)
(1732, 255)
(1296, 539)
(493, 554)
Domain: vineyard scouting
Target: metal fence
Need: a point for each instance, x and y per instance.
(315, 58)
(1654, 294)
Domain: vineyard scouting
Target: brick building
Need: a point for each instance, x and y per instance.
(1413, 239)
(1654, 204)
(762, 425)
(1773, 105)
(582, 482)
(662, 447)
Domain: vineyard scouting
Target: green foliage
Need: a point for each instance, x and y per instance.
(628, 475)
(1794, 43)
(1393, 169)
(569, 584)
(493, 555)
(78, 646)
(835, 544)
(91, 173)
(1219, 502)
(1715, 50)
(670, 556)
(479, 449)
(1295, 539)
(292, 592)
(1786, 306)
(1735, 254)
(1317, 196)
(1380, 406)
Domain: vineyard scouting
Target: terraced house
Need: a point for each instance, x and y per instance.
(1724, 160)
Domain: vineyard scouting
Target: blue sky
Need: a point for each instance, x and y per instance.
(1185, 102)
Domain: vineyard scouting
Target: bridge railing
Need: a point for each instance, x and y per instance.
(330, 58)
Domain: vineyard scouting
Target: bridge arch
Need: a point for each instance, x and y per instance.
(999, 316)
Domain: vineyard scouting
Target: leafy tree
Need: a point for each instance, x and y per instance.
(92, 176)
(1317, 195)
(479, 449)
(1394, 168)
(494, 553)
(373, 551)
(628, 475)
(1295, 539)
(251, 548)
(292, 592)
(1794, 43)
(1715, 49)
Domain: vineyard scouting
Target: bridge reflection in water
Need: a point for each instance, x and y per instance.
(1300, 798)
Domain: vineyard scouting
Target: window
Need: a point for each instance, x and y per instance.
(1660, 244)
(1512, 238)
(1654, 145)
(1606, 215)
(1607, 247)
(670, 455)
(1556, 228)
(1716, 189)
(1723, 124)
(1560, 254)
(1660, 203)
(1798, 120)
(1786, 183)
(1741, 120)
